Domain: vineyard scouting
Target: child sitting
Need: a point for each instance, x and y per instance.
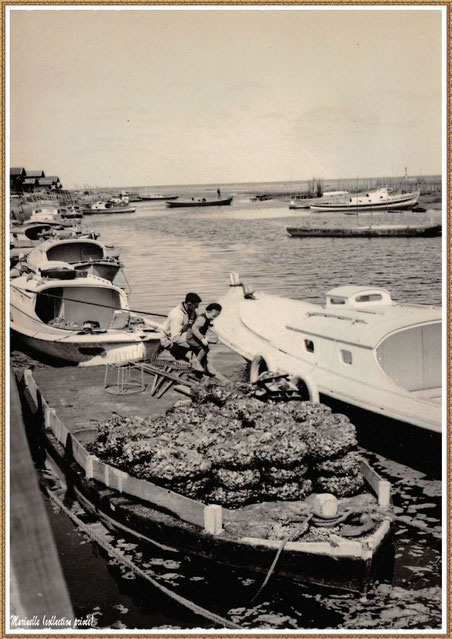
(196, 337)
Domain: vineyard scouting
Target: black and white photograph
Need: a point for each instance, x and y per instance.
(226, 352)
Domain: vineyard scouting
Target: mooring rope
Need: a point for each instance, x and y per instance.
(277, 556)
(225, 623)
(69, 299)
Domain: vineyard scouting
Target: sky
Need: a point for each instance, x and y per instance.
(170, 95)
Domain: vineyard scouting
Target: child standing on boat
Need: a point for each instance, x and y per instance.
(196, 337)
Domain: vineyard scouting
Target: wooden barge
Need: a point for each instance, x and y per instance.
(394, 230)
(159, 516)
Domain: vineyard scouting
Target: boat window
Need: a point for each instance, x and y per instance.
(309, 345)
(346, 356)
(412, 357)
(371, 297)
(337, 300)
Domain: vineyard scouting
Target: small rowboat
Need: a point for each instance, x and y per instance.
(162, 517)
(199, 202)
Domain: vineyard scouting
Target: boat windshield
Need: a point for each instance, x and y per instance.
(75, 305)
(412, 357)
(75, 252)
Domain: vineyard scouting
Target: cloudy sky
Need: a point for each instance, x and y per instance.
(176, 96)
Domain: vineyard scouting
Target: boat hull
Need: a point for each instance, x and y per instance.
(375, 231)
(197, 203)
(151, 198)
(89, 352)
(113, 209)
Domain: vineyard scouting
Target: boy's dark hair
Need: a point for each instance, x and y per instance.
(193, 298)
(214, 307)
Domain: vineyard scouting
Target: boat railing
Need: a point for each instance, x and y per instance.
(335, 316)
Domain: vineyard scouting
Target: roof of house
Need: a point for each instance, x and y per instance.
(45, 181)
(29, 180)
(54, 178)
(16, 170)
(35, 174)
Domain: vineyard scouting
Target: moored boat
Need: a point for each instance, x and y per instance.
(372, 200)
(55, 213)
(248, 538)
(108, 207)
(387, 230)
(157, 196)
(359, 348)
(78, 318)
(199, 202)
(328, 196)
(83, 254)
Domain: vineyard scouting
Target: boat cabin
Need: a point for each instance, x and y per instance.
(409, 354)
(79, 304)
(358, 297)
(75, 251)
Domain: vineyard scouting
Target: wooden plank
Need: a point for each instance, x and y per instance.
(381, 487)
(184, 507)
(58, 428)
(213, 519)
(79, 453)
(37, 583)
(344, 548)
(31, 385)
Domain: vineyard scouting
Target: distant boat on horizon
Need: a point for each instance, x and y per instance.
(381, 198)
(199, 202)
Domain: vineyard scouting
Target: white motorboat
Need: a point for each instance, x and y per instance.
(360, 348)
(55, 214)
(112, 206)
(328, 196)
(381, 198)
(78, 318)
(82, 253)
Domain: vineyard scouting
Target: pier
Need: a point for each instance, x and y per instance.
(38, 585)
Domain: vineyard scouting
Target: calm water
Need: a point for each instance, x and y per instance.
(167, 253)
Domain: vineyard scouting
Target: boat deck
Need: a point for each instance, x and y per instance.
(430, 394)
(80, 400)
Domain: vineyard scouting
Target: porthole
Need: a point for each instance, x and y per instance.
(346, 356)
(309, 345)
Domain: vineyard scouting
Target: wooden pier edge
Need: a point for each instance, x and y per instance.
(37, 587)
(208, 517)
